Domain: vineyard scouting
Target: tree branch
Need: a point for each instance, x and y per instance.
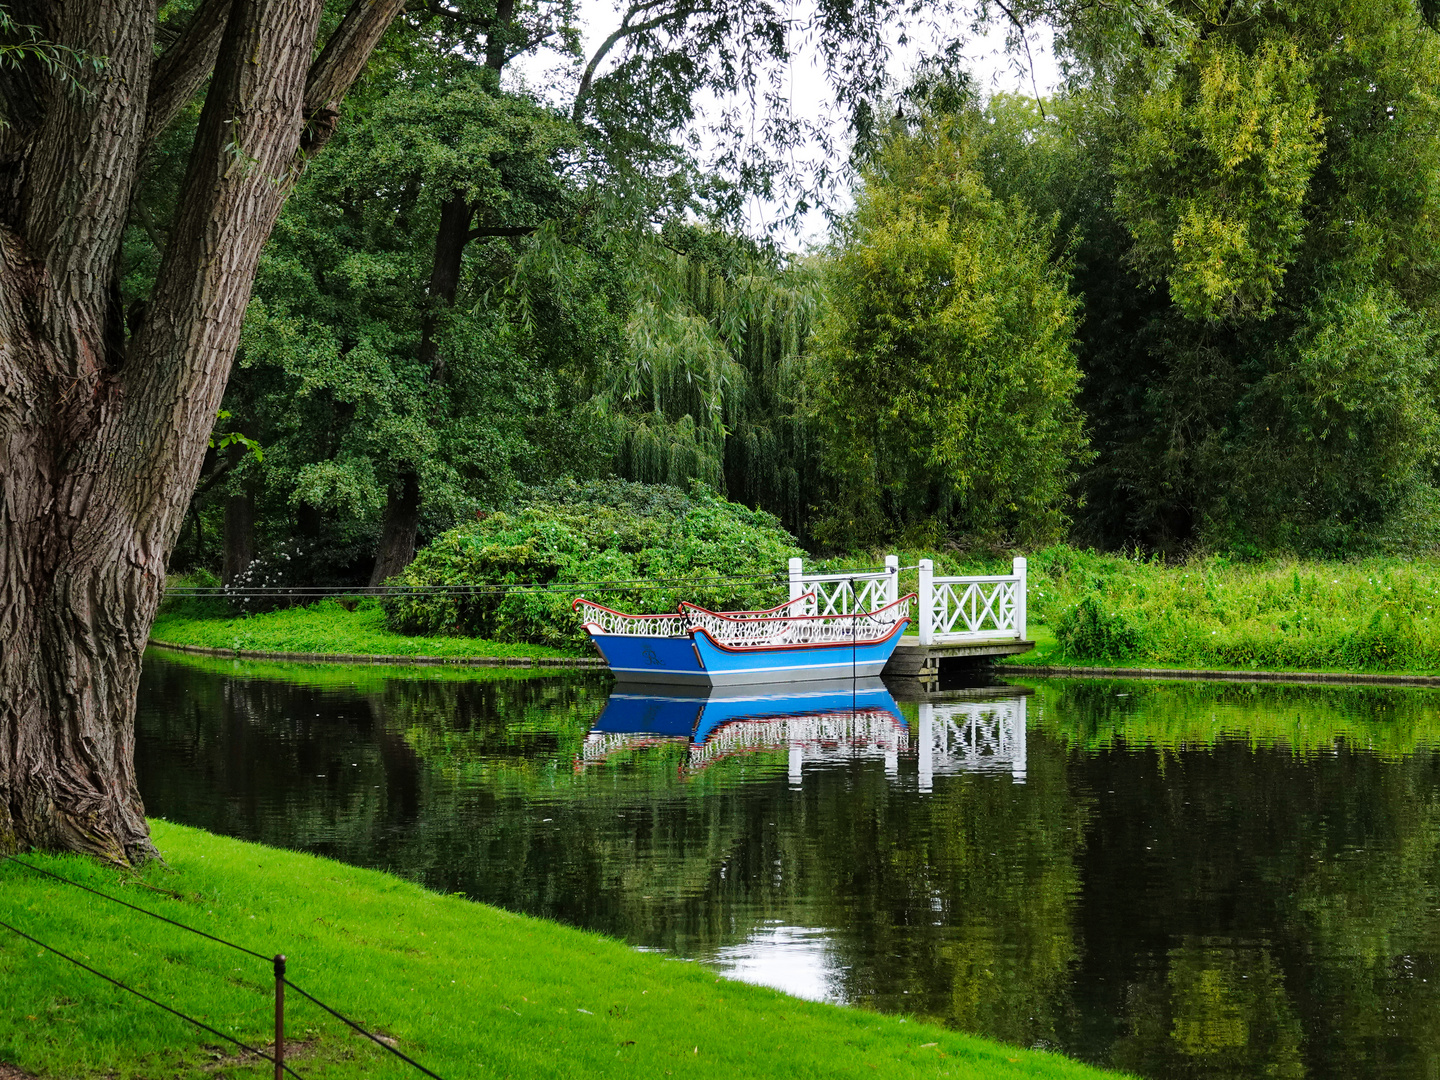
(500, 230)
(340, 64)
(183, 67)
(624, 30)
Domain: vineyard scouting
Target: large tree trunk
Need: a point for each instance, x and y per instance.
(101, 439)
(401, 524)
(239, 536)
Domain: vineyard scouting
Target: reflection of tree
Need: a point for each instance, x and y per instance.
(1222, 1011)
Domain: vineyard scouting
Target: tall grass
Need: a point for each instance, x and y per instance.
(1372, 615)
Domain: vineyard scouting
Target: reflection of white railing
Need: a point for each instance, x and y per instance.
(862, 732)
(617, 622)
(957, 609)
(600, 745)
(843, 594)
(971, 736)
(746, 630)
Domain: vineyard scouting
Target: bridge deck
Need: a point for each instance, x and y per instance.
(923, 661)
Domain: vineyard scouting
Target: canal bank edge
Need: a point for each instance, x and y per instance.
(1336, 678)
(581, 662)
(523, 996)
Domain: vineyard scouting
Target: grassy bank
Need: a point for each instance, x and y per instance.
(1373, 615)
(326, 627)
(469, 990)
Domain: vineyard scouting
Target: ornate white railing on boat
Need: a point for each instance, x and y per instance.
(744, 630)
(971, 736)
(844, 594)
(617, 622)
(862, 732)
(958, 609)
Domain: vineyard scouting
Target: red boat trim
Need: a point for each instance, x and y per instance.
(680, 609)
(899, 628)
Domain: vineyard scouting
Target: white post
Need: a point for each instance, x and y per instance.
(797, 761)
(1017, 744)
(1020, 586)
(927, 601)
(926, 743)
(892, 587)
(797, 587)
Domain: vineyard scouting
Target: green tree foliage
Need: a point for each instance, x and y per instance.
(708, 382)
(943, 376)
(695, 546)
(1252, 197)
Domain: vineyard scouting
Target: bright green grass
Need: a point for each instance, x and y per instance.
(325, 627)
(362, 678)
(469, 990)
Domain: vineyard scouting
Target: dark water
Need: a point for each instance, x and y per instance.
(1178, 879)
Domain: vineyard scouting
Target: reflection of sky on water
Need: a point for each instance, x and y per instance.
(795, 959)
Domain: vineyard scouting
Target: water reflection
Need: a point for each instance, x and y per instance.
(1177, 879)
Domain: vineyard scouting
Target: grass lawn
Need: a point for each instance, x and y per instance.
(326, 627)
(468, 990)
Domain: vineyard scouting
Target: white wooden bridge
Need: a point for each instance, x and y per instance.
(958, 618)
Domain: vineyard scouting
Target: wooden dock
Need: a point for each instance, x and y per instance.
(916, 661)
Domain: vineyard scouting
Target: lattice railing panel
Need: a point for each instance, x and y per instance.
(974, 607)
(619, 623)
(754, 632)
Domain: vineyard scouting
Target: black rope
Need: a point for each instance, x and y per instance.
(158, 1004)
(635, 584)
(143, 911)
(373, 1038)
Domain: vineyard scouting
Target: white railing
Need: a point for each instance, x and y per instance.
(845, 594)
(745, 630)
(971, 736)
(617, 622)
(957, 609)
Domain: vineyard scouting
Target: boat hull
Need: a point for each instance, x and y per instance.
(698, 660)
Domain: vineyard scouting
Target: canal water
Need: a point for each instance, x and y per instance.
(1179, 879)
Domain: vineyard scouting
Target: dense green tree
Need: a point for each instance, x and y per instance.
(943, 375)
(1252, 201)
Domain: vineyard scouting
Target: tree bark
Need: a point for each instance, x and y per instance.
(102, 438)
(402, 524)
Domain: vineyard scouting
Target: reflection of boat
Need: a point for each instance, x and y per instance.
(710, 648)
(825, 719)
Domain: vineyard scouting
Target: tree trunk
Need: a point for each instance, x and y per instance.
(239, 536)
(101, 439)
(402, 523)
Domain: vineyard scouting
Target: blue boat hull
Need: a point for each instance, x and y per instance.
(698, 660)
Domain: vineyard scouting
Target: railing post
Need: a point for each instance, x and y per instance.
(1020, 587)
(797, 587)
(279, 1018)
(892, 586)
(927, 601)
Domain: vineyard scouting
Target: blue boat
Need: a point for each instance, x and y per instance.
(715, 648)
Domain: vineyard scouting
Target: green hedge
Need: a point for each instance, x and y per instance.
(569, 535)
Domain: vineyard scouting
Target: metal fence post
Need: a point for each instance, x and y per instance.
(927, 601)
(1020, 587)
(279, 1018)
(892, 586)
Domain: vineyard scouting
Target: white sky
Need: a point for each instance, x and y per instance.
(994, 70)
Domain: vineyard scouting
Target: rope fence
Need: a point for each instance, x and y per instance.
(278, 966)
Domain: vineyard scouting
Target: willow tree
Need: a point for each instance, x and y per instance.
(104, 418)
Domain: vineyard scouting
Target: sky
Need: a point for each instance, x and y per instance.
(994, 71)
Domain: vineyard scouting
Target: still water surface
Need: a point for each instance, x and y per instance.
(1178, 879)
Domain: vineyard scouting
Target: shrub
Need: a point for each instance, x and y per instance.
(638, 547)
(1087, 630)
